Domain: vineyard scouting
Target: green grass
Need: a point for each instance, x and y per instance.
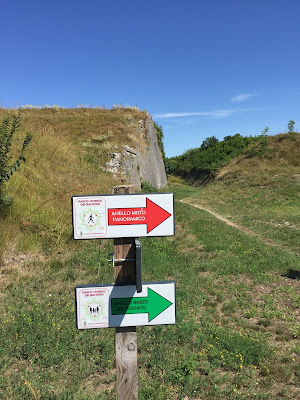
(237, 331)
(272, 212)
(236, 335)
(261, 193)
(39, 338)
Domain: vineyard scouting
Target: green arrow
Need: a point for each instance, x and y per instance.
(154, 304)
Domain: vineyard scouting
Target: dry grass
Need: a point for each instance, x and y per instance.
(66, 157)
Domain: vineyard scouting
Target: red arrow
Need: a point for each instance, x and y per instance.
(152, 215)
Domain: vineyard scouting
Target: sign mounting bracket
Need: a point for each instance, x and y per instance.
(138, 264)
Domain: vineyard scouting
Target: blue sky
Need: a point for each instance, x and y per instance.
(200, 68)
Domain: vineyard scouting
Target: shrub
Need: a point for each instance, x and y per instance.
(291, 130)
(8, 128)
(160, 137)
(147, 187)
(201, 164)
(291, 126)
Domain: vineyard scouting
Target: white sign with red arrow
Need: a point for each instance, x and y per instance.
(116, 216)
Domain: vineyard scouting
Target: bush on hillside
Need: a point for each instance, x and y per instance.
(291, 130)
(202, 163)
(8, 128)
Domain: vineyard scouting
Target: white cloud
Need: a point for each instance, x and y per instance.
(211, 114)
(217, 113)
(241, 97)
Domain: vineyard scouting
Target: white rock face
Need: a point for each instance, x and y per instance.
(142, 163)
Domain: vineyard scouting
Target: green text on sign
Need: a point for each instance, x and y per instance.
(154, 304)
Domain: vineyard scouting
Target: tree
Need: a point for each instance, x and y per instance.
(209, 142)
(9, 126)
(291, 126)
(291, 130)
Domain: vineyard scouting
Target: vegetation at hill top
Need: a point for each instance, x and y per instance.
(202, 163)
(237, 331)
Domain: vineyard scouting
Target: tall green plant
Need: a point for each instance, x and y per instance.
(160, 137)
(291, 129)
(8, 127)
(291, 126)
(263, 142)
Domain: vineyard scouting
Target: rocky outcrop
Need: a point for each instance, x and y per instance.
(141, 162)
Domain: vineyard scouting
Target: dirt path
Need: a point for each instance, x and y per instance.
(236, 226)
(227, 222)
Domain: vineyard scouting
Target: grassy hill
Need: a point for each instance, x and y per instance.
(261, 193)
(65, 157)
(201, 165)
(237, 331)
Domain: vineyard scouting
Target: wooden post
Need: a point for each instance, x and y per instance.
(126, 338)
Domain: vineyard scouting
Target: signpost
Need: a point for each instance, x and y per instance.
(107, 306)
(117, 216)
(130, 302)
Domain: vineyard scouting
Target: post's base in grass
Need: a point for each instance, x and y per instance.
(126, 354)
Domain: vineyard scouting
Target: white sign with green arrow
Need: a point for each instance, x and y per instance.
(107, 306)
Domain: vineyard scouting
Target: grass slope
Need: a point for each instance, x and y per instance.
(262, 194)
(66, 157)
(237, 327)
(237, 331)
